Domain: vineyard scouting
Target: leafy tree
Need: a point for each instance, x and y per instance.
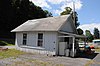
(80, 31)
(15, 12)
(76, 18)
(89, 36)
(20, 12)
(48, 14)
(96, 33)
(6, 15)
(67, 11)
(36, 12)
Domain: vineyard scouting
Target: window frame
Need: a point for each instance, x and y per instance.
(24, 39)
(40, 40)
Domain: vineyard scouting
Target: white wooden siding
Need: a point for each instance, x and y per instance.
(31, 39)
(49, 40)
(19, 39)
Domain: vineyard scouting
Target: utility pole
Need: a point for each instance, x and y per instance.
(73, 11)
(73, 46)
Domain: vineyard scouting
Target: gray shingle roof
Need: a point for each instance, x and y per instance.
(44, 24)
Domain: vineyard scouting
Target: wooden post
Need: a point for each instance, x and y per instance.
(73, 48)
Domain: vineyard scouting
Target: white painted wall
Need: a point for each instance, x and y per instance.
(49, 40)
(32, 39)
(18, 40)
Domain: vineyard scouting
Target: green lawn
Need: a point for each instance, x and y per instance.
(10, 53)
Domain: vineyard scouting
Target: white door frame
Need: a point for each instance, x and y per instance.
(72, 44)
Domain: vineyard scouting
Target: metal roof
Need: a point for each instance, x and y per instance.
(43, 24)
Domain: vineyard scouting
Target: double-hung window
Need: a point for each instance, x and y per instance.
(24, 38)
(40, 40)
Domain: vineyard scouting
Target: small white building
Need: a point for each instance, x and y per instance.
(53, 34)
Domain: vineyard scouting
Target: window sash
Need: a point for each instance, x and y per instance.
(40, 39)
(24, 38)
(40, 35)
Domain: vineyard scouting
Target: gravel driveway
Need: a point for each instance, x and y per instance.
(96, 61)
(35, 59)
(42, 60)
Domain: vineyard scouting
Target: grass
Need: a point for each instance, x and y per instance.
(89, 63)
(97, 50)
(4, 43)
(42, 63)
(27, 62)
(35, 62)
(10, 53)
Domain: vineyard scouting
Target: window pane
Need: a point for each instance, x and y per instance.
(40, 42)
(40, 35)
(24, 36)
(24, 39)
(40, 39)
(24, 42)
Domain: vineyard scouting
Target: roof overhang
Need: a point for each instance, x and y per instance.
(74, 35)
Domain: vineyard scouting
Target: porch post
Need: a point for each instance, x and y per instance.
(73, 48)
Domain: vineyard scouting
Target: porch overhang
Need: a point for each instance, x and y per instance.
(72, 35)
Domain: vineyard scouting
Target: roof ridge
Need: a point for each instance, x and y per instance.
(48, 17)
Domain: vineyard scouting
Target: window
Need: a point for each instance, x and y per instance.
(24, 39)
(40, 39)
(96, 41)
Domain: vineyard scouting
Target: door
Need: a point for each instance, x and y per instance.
(62, 47)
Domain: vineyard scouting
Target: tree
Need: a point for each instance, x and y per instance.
(6, 16)
(15, 12)
(96, 33)
(36, 12)
(89, 36)
(76, 18)
(67, 11)
(48, 14)
(80, 31)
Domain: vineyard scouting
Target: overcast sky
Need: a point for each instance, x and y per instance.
(88, 10)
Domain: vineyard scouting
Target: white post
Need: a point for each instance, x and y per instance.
(73, 45)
